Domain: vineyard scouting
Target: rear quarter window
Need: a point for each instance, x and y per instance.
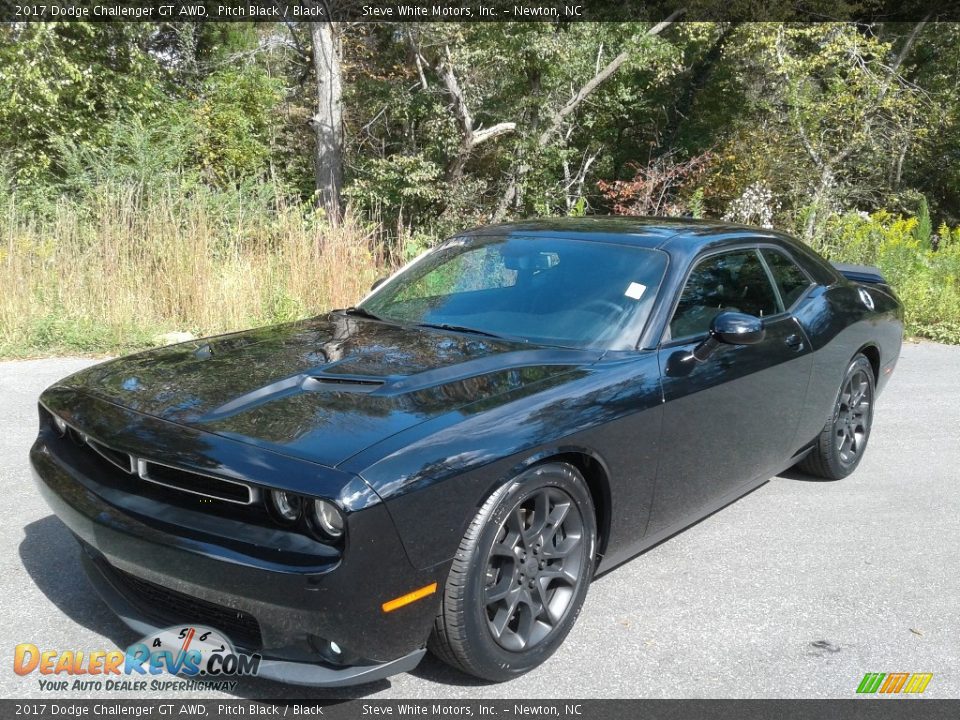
(790, 279)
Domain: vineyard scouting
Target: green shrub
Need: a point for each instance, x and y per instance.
(232, 123)
(396, 189)
(926, 279)
(924, 231)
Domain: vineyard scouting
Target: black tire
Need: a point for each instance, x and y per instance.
(521, 544)
(843, 440)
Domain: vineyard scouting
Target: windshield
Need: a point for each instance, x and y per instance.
(551, 291)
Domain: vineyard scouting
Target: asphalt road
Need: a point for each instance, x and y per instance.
(796, 590)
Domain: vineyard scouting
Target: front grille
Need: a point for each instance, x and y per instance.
(196, 483)
(121, 459)
(179, 479)
(169, 607)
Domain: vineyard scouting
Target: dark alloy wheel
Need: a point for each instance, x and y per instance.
(533, 569)
(851, 422)
(843, 440)
(520, 577)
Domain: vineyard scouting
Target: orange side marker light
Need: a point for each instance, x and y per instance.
(410, 597)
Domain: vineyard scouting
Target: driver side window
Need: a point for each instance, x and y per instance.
(735, 281)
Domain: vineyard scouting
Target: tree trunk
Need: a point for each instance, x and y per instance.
(327, 123)
(697, 78)
(820, 197)
(897, 174)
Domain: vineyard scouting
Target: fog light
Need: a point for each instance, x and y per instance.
(60, 425)
(333, 653)
(286, 505)
(327, 518)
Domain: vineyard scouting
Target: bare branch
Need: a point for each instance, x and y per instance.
(460, 108)
(664, 24)
(904, 52)
(584, 92)
(470, 138)
(491, 132)
(418, 59)
(892, 75)
(511, 194)
(573, 189)
(792, 109)
(296, 41)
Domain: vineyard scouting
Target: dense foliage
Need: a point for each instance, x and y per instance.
(846, 135)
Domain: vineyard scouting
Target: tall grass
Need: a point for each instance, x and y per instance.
(110, 266)
(110, 271)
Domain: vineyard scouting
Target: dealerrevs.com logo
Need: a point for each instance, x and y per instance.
(204, 657)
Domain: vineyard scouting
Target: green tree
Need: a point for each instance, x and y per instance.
(64, 82)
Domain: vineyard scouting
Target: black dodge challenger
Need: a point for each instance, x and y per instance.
(448, 464)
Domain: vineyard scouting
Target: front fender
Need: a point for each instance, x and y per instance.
(435, 477)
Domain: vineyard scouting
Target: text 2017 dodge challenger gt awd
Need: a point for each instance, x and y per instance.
(448, 464)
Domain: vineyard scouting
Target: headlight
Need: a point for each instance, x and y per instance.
(327, 518)
(285, 505)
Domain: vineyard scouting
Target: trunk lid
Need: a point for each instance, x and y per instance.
(860, 273)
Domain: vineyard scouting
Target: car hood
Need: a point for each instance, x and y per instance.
(323, 389)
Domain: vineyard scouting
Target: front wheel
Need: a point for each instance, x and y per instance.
(843, 440)
(520, 575)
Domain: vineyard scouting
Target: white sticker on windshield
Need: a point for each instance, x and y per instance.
(635, 290)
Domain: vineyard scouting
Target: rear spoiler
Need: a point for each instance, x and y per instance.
(860, 273)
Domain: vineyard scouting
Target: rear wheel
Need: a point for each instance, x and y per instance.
(520, 575)
(843, 439)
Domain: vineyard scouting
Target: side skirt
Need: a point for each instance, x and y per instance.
(611, 562)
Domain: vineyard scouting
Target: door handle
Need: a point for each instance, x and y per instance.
(794, 342)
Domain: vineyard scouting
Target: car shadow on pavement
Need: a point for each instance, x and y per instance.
(434, 670)
(51, 557)
(795, 474)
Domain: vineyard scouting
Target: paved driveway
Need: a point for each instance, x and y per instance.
(796, 590)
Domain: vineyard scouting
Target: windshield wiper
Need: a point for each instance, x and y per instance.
(462, 329)
(362, 312)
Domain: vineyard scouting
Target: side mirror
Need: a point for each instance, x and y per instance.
(736, 328)
(377, 283)
(730, 328)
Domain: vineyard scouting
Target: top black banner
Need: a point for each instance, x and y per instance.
(867, 11)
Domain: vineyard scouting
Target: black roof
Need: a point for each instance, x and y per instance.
(650, 232)
(682, 238)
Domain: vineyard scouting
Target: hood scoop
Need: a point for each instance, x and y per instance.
(322, 380)
(342, 383)
(310, 382)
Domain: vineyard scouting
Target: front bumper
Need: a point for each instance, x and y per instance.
(122, 602)
(286, 612)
